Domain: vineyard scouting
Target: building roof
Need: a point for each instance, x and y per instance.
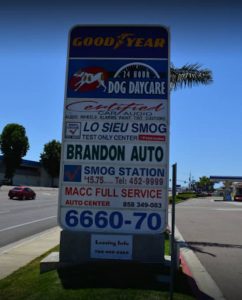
(27, 163)
(226, 178)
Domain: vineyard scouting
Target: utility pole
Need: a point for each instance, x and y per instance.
(190, 176)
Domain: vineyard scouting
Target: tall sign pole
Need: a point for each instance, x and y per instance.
(115, 142)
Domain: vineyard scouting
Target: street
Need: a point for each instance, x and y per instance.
(213, 231)
(22, 218)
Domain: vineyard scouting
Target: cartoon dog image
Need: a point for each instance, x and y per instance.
(88, 78)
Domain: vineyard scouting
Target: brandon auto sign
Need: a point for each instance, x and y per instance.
(115, 141)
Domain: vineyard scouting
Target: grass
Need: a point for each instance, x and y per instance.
(182, 196)
(123, 283)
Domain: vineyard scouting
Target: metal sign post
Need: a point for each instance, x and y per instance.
(173, 250)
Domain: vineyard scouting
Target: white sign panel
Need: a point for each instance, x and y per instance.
(115, 142)
(111, 246)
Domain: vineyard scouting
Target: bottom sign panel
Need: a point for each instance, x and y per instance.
(111, 246)
(113, 221)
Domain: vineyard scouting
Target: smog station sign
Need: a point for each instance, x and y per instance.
(115, 142)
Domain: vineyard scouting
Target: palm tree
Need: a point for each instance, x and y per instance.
(188, 76)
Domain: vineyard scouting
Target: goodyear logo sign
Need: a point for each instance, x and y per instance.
(124, 41)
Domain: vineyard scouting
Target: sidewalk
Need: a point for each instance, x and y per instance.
(203, 284)
(17, 255)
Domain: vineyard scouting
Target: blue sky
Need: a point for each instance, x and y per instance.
(206, 122)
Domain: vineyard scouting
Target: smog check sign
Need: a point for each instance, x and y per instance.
(115, 142)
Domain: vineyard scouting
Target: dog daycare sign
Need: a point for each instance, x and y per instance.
(115, 143)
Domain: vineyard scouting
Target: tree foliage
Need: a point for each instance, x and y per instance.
(205, 184)
(50, 158)
(189, 75)
(14, 145)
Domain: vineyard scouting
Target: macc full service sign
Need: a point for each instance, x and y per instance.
(115, 142)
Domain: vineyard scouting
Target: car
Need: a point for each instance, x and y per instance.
(238, 197)
(22, 193)
(201, 194)
(237, 192)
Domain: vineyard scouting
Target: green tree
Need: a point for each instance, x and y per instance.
(50, 158)
(205, 184)
(14, 145)
(189, 75)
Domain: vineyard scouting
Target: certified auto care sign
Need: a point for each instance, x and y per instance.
(115, 144)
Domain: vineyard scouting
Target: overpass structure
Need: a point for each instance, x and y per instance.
(228, 181)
